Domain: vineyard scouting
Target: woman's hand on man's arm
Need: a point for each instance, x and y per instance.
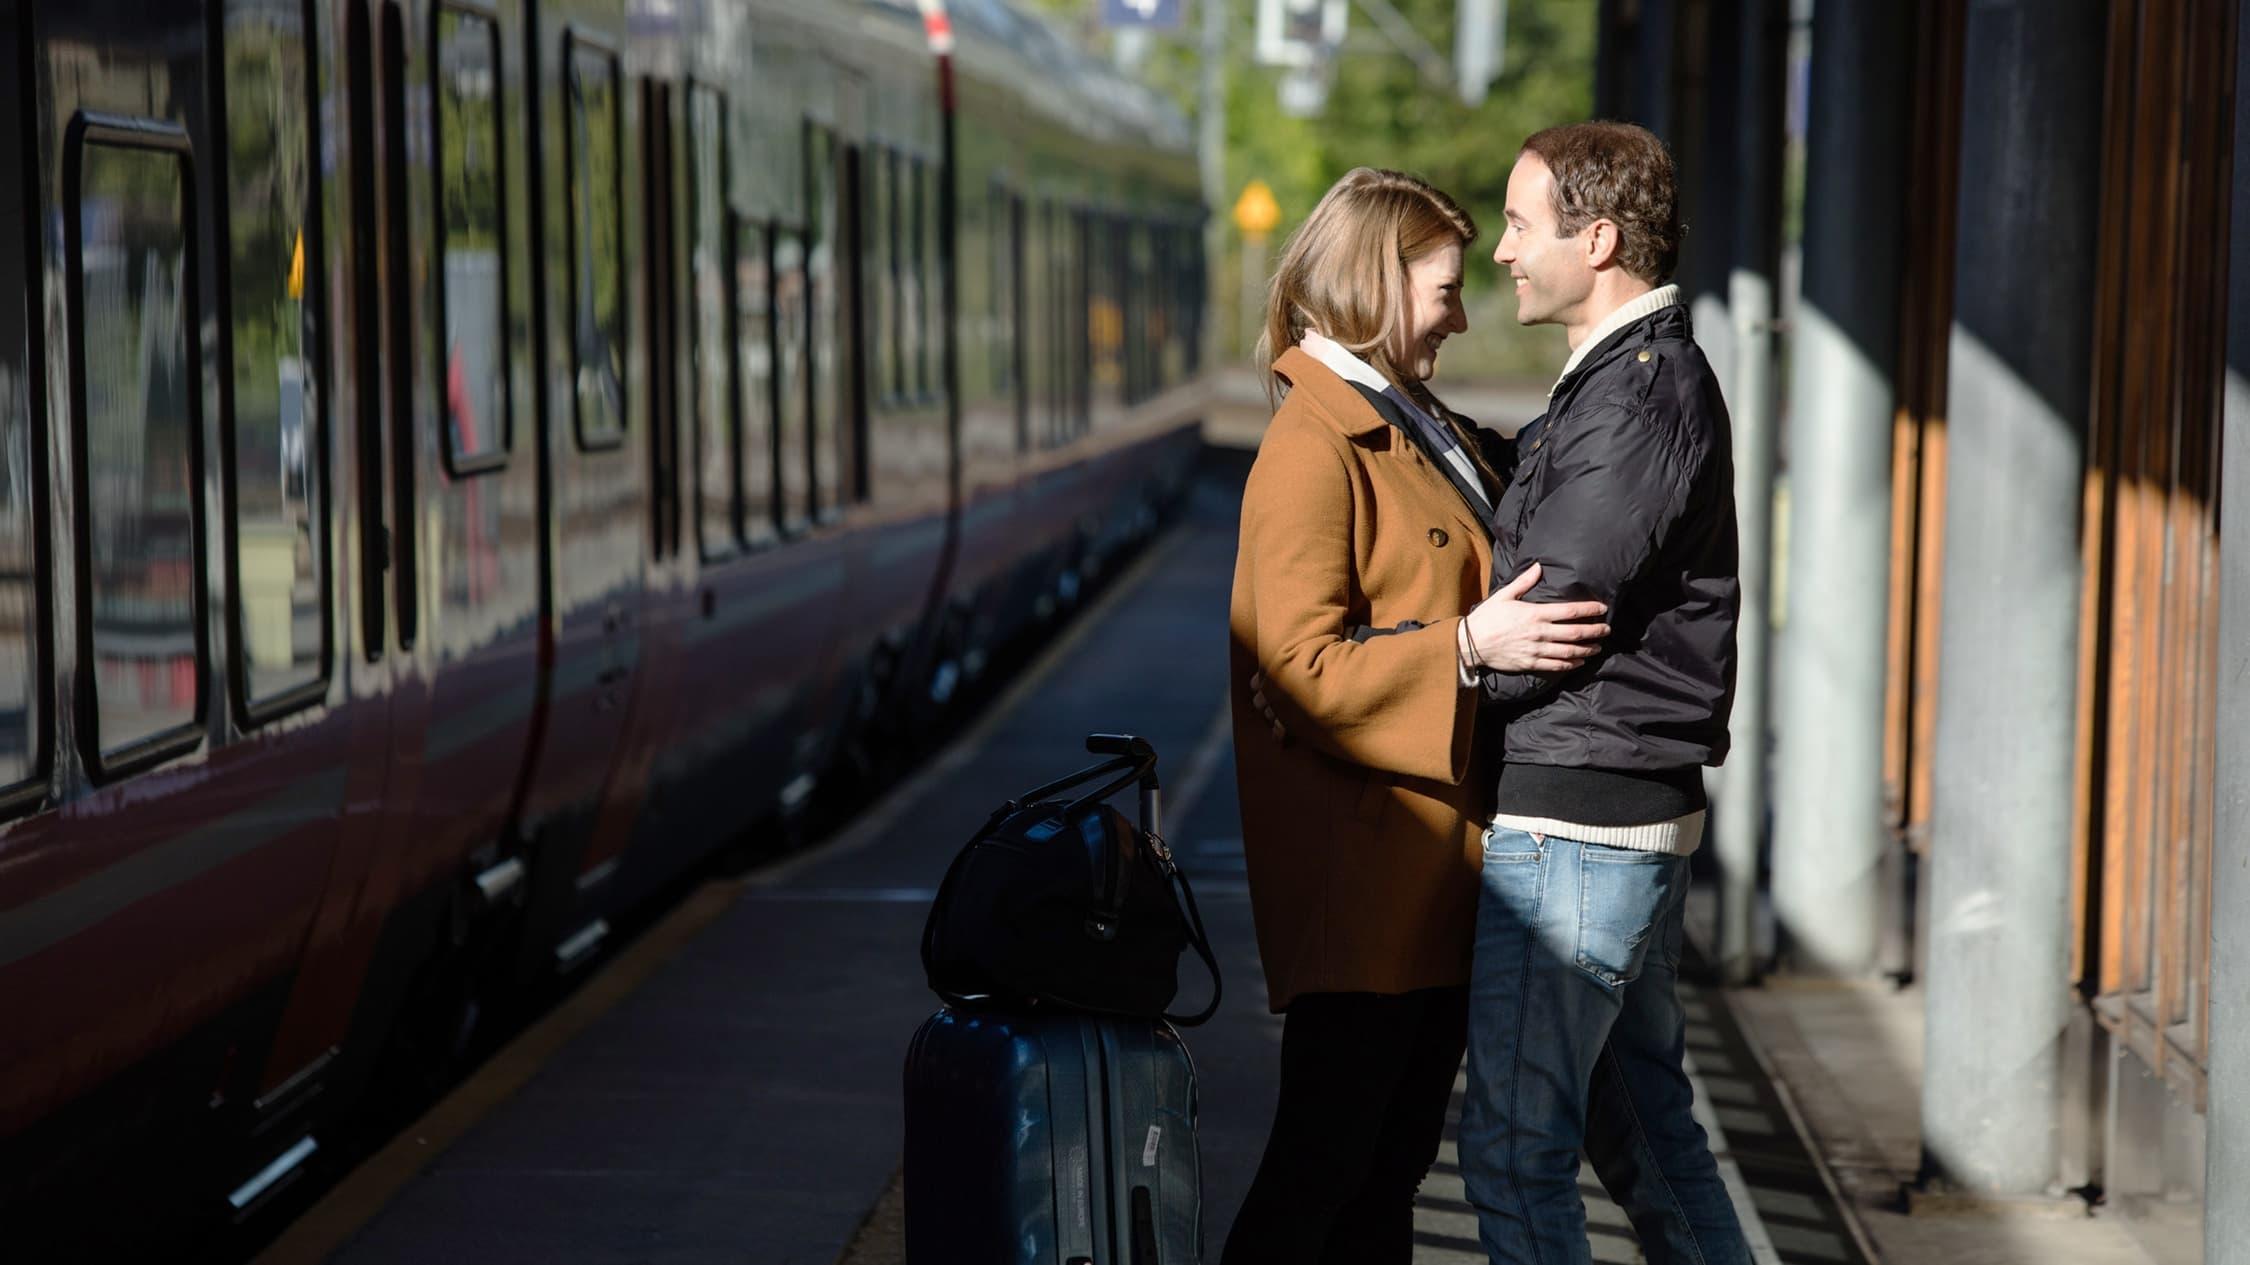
(1507, 634)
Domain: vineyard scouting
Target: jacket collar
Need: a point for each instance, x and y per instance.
(1629, 326)
(1333, 397)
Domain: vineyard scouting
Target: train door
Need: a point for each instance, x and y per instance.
(836, 290)
(454, 429)
(604, 512)
(342, 996)
(197, 724)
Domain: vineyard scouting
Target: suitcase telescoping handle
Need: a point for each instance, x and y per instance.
(1143, 754)
(1128, 747)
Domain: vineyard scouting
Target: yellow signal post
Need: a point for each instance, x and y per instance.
(1255, 212)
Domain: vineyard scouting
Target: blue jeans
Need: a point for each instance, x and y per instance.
(1577, 1042)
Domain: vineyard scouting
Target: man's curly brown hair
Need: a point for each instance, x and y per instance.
(1620, 173)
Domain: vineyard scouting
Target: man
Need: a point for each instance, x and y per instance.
(1623, 494)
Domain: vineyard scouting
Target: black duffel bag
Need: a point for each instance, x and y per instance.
(1068, 904)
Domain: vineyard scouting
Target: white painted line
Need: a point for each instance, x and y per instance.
(848, 895)
(1203, 762)
(1844, 1207)
(1738, 1188)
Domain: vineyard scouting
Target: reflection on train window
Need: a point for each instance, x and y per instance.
(1036, 330)
(1055, 319)
(926, 266)
(825, 295)
(1075, 303)
(1105, 319)
(1005, 219)
(19, 594)
(278, 541)
(593, 160)
(754, 379)
(793, 450)
(472, 240)
(134, 330)
(913, 379)
(882, 269)
(707, 279)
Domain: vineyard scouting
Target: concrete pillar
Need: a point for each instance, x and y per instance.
(2226, 1185)
(1740, 818)
(1829, 836)
(1998, 998)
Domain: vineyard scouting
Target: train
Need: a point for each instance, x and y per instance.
(463, 463)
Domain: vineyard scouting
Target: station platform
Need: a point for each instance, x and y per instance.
(728, 1088)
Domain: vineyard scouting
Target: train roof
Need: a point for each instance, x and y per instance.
(1077, 85)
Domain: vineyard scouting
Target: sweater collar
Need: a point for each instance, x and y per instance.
(1340, 361)
(1628, 312)
(1347, 408)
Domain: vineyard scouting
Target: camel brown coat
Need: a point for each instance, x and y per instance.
(1362, 819)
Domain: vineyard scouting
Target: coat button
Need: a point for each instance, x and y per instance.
(1643, 357)
(1438, 537)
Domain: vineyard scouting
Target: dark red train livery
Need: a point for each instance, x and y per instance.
(460, 463)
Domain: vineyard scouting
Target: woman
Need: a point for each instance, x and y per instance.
(1357, 629)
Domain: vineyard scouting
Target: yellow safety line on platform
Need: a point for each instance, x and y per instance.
(328, 1225)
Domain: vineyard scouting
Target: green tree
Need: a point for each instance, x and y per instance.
(1381, 112)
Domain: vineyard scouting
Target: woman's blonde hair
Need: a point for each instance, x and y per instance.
(1344, 274)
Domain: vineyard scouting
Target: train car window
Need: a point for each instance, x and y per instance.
(914, 373)
(135, 369)
(277, 527)
(400, 285)
(881, 218)
(717, 461)
(934, 333)
(661, 164)
(1193, 292)
(1062, 227)
(1090, 297)
(1005, 228)
(363, 344)
(1105, 318)
(595, 172)
(23, 657)
(792, 344)
(755, 379)
(472, 242)
(824, 245)
(1047, 328)
(1069, 274)
(1124, 241)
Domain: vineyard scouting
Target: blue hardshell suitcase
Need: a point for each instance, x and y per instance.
(1050, 1139)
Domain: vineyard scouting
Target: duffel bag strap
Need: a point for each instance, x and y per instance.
(1196, 936)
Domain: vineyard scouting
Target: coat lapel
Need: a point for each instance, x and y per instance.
(1473, 509)
(1358, 418)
